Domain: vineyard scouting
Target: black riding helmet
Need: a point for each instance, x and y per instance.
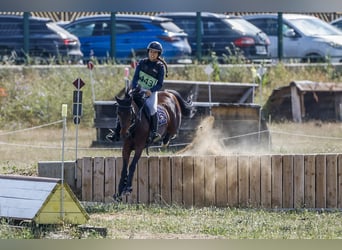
(156, 46)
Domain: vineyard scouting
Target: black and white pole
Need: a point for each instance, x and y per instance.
(77, 110)
(90, 66)
(64, 116)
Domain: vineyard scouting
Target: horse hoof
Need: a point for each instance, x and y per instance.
(127, 191)
(117, 198)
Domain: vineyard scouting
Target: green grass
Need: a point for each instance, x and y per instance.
(125, 221)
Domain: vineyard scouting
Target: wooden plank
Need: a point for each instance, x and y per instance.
(339, 181)
(266, 181)
(287, 181)
(109, 182)
(199, 162)
(298, 181)
(177, 180)
(331, 173)
(165, 179)
(243, 173)
(232, 177)
(188, 181)
(277, 181)
(255, 181)
(98, 179)
(143, 174)
(87, 178)
(209, 180)
(310, 181)
(321, 183)
(154, 181)
(221, 181)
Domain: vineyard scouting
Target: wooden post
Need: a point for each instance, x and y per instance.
(243, 173)
(188, 183)
(109, 182)
(165, 178)
(321, 183)
(310, 181)
(331, 173)
(266, 181)
(232, 178)
(177, 180)
(98, 177)
(298, 181)
(154, 182)
(199, 181)
(87, 178)
(254, 181)
(143, 176)
(277, 181)
(287, 181)
(221, 181)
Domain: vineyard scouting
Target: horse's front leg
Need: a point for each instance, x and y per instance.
(132, 167)
(123, 178)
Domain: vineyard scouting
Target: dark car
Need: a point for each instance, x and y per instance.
(47, 41)
(222, 34)
(337, 23)
(133, 34)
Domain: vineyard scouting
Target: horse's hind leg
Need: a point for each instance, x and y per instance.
(166, 140)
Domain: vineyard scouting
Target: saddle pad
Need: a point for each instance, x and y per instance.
(162, 116)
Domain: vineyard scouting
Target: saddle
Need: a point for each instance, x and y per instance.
(139, 99)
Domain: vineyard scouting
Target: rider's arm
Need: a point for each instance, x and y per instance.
(136, 76)
(160, 82)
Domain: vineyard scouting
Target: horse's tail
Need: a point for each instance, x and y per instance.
(186, 106)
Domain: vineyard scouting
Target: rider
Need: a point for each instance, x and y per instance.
(149, 76)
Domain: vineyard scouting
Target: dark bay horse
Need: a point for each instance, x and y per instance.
(135, 128)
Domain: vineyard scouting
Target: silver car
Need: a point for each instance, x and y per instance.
(305, 38)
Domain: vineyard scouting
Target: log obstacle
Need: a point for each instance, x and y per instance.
(260, 181)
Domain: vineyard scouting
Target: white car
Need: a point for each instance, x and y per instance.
(305, 38)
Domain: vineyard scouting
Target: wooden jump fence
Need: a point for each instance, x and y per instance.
(261, 181)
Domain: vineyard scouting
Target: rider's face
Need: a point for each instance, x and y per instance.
(153, 54)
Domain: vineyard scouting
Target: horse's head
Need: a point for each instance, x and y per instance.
(125, 114)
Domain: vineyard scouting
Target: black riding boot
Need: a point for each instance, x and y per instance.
(114, 135)
(155, 136)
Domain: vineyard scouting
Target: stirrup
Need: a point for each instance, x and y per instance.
(112, 136)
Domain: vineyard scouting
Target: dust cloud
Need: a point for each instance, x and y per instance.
(206, 141)
(211, 141)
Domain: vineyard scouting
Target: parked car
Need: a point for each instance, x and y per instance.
(305, 38)
(47, 41)
(133, 34)
(337, 23)
(222, 34)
